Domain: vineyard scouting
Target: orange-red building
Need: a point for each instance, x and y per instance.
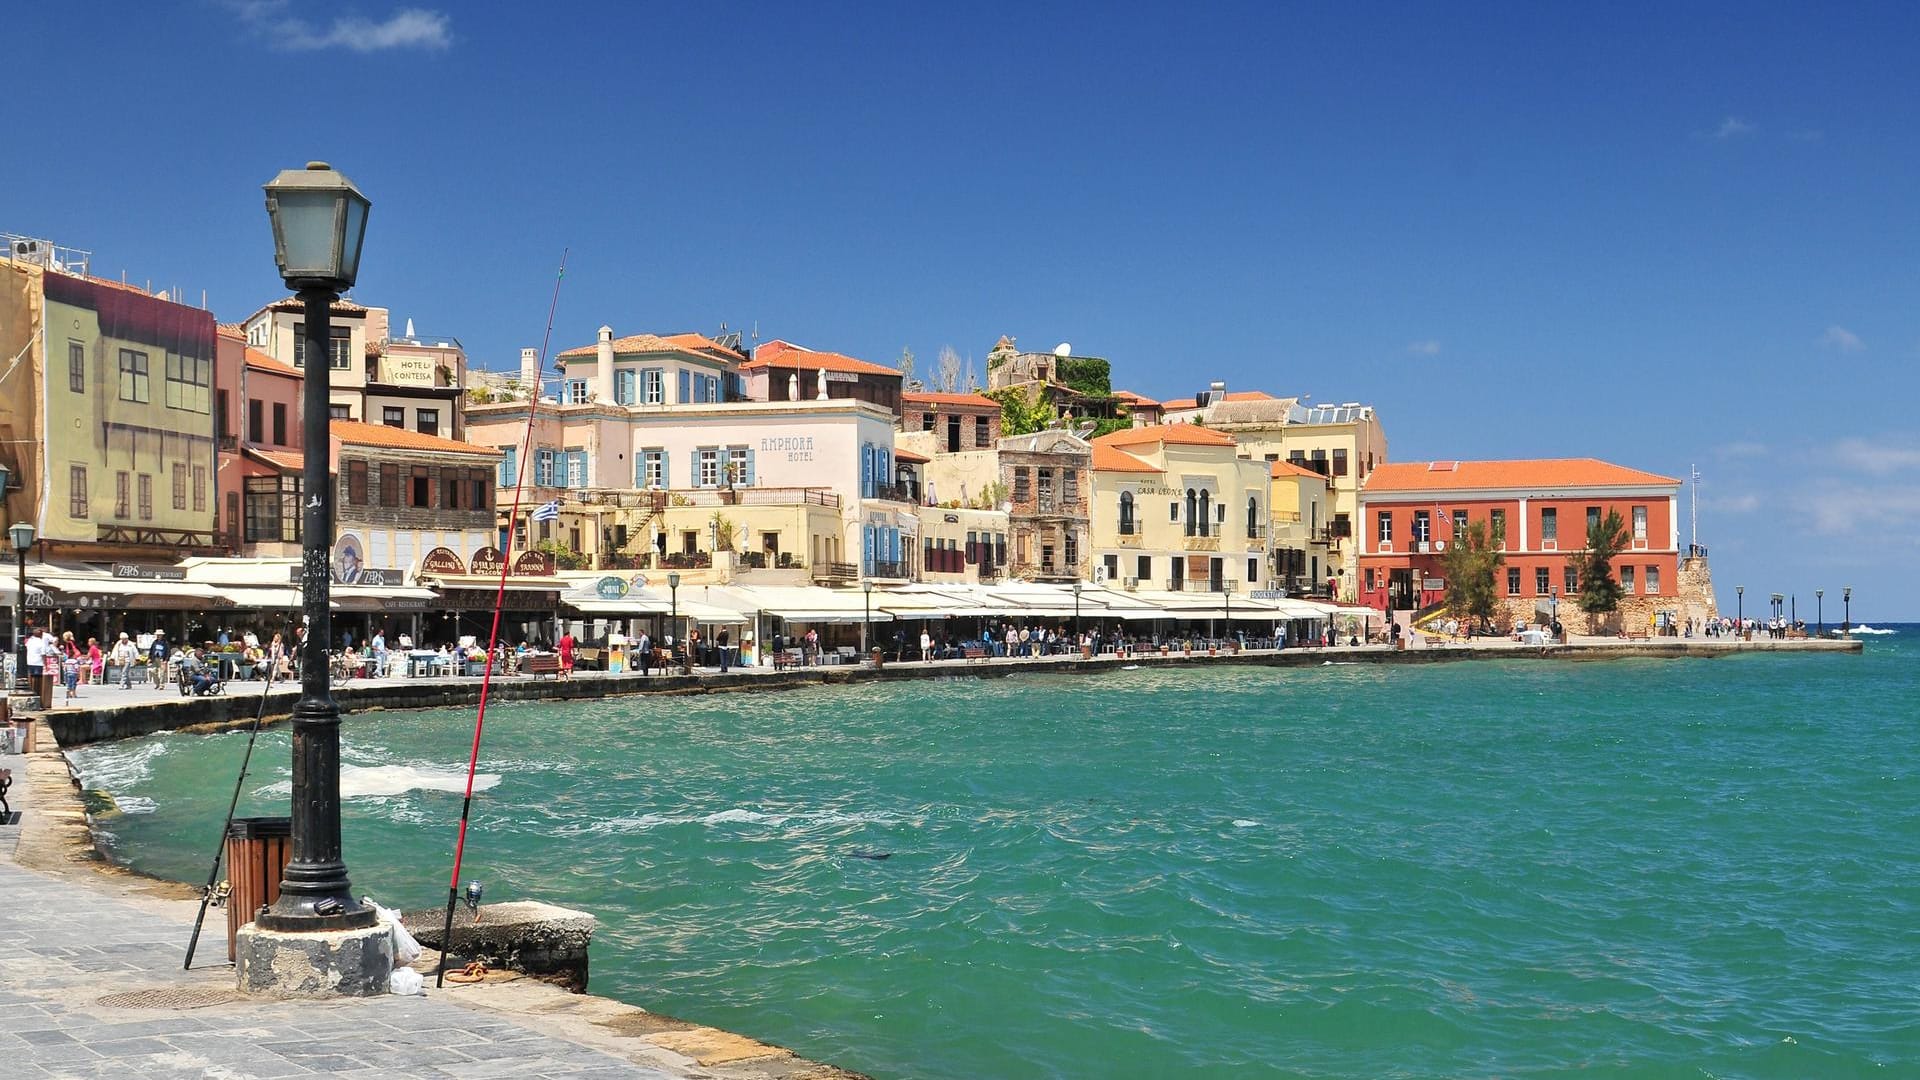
(1411, 511)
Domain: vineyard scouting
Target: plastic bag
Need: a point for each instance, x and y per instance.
(405, 949)
(405, 981)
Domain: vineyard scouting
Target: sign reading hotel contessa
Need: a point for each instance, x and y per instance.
(796, 447)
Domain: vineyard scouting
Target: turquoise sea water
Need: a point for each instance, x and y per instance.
(1704, 868)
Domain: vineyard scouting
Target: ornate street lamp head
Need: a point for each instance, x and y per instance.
(21, 533)
(673, 580)
(319, 220)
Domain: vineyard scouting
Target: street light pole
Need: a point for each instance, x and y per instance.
(866, 618)
(21, 532)
(319, 221)
(1820, 613)
(1739, 610)
(673, 620)
(1846, 615)
(1076, 613)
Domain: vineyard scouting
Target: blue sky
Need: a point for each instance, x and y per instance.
(1663, 235)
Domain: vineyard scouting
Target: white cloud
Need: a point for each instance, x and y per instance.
(407, 28)
(1737, 450)
(1885, 512)
(1424, 348)
(1879, 459)
(1734, 504)
(1732, 128)
(1840, 339)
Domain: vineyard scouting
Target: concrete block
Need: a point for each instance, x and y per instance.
(332, 964)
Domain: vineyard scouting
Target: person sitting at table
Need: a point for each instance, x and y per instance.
(194, 665)
(253, 662)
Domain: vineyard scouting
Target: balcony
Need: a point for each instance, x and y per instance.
(1201, 543)
(1202, 585)
(227, 443)
(1257, 531)
(1127, 539)
(898, 570)
(989, 574)
(906, 493)
(835, 573)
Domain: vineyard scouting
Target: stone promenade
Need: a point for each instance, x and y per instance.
(91, 986)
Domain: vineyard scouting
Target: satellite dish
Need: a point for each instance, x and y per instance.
(1063, 350)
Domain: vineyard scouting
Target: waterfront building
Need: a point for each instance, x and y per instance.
(658, 460)
(783, 371)
(955, 422)
(1176, 508)
(963, 544)
(1544, 509)
(407, 380)
(1341, 442)
(1046, 483)
(258, 415)
(107, 417)
(1300, 529)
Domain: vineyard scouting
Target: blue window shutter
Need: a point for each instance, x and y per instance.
(682, 399)
(866, 533)
(866, 470)
(640, 470)
(885, 468)
(666, 473)
(749, 466)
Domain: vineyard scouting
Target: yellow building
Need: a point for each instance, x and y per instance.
(1175, 507)
(1300, 530)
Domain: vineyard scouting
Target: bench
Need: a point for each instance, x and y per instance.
(541, 664)
(788, 659)
(973, 652)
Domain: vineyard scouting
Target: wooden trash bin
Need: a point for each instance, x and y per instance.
(257, 852)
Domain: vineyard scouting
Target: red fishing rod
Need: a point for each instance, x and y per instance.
(493, 637)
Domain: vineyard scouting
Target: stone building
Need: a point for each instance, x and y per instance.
(402, 494)
(1544, 510)
(1046, 479)
(956, 421)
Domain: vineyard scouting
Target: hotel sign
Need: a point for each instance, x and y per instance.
(796, 447)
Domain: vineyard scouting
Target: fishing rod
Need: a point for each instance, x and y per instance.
(493, 636)
(220, 851)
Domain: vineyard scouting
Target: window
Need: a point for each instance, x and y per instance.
(739, 467)
(256, 421)
(1513, 581)
(1046, 489)
(1206, 513)
(1220, 514)
(1193, 509)
(1653, 581)
(179, 485)
(1022, 489)
(1640, 524)
(133, 376)
(339, 412)
(1626, 580)
(341, 351)
(76, 367)
(199, 489)
(422, 493)
(707, 467)
(1111, 563)
(1542, 581)
(1422, 527)
(1143, 567)
(1459, 523)
(624, 382)
(273, 508)
(389, 485)
(1072, 549)
(482, 494)
(982, 434)
(1384, 535)
(146, 497)
(1497, 527)
(1126, 513)
(653, 468)
(1570, 581)
(1549, 526)
(1318, 462)
(279, 424)
(450, 491)
(1069, 485)
(953, 432)
(509, 466)
(1339, 462)
(1593, 523)
(122, 494)
(1253, 518)
(543, 467)
(1297, 457)
(1253, 571)
(393, 416)
(1370, 582)
(189, 383)
(427, 421)
(357, 483)
(927, 421)
(77, 491)
(576, 466)
(653, 386)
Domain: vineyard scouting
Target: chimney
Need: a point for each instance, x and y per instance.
(530, 371)
(603, 367)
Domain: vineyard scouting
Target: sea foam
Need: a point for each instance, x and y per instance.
(372, 781)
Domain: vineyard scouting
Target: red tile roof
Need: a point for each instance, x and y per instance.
(260, 361)
(653, 343)
(903, 454)
(1109, 458)
(284, 460)
(1535, 473)
(1231, 395)
(1132, 398)
(785, 354)
(356, 433)
(929, 398)
(1288, 468)
(1171, 434)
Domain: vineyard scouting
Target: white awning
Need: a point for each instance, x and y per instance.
(796, 603)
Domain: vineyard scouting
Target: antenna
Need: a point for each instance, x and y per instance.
(1695, 470)
(1063, 350)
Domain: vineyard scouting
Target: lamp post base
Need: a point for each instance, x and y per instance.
(328, 964)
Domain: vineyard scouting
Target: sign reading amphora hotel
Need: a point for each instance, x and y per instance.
(796, 447)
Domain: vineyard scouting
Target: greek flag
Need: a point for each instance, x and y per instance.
(549, 512)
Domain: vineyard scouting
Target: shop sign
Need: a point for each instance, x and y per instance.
(482, 600)
(135, 572)
(610, 588)
(796, 447)
(952, 519)
(533, 564)
(442, 561)
(638, 582)
(348, 561)
(488, 562)
(383, 577)
(1267, 594)
(147, 603)
(1157, 489)
(407, 369)
(403, 605)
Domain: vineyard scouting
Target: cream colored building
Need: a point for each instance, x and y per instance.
(1299, 532)
(416, 382)
(1176, 508)
(1341, 442)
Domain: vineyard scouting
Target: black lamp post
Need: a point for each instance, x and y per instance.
(1739, 609)
(866, 617)
(21, 533)
(319, 220)
(1846, 613)
(1820, 613)
(1553, 610)
(1076, 613)
(673, 620)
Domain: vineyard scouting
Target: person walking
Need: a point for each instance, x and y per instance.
(926, 645)
(96, 667)
(157, 659)
(645, 649)
(122, 656)
(724, 641)
(565, 648)
(36, 662)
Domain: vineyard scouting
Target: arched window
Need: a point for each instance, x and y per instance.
(1126, 513)
(1192, 515)
(1253, 518)
(1206, 514)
